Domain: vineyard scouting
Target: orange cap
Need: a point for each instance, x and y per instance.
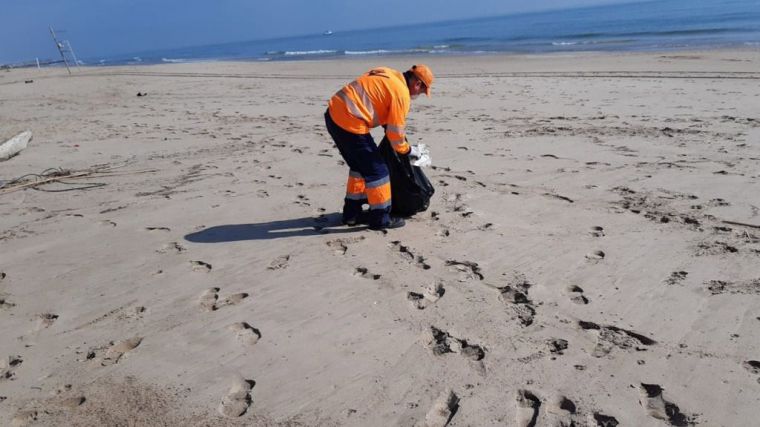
(422, 72)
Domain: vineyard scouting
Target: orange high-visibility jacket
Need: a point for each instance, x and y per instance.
(378, 98)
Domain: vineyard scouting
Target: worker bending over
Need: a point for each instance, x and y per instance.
(380, 97)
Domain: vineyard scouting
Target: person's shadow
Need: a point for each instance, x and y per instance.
(306, 226)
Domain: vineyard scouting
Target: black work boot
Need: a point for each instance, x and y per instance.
(393, 222)
(352, 221)
(353, 213)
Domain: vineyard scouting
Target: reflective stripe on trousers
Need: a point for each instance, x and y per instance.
(379, 193)
(355, 186)
(368, 174)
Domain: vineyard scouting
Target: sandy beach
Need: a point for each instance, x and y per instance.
(591, 256)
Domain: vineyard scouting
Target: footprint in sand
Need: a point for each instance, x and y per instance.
(651, 398)
(560, 411)
(171, 247)
(302, 200)
(597, 231)
(557, 346)
(717, 287)
(576, 294)
(340, 246)
(107, 223)
(408, 255)
(363, 272)
(595, 256)
(238, 399)
(600, 420)
(245, 333)
(442, 411)
(526, 414)
(5, 304)
(209, 300)
(279, 263)
(200, 266)
(158, 228)
(441, 342)
(64, 398)
(720, 229)
(714, 248)
(70, 402)
(468, 270)
(515, 294)
(455, 204)
(45, 320)
(24, 418)
(8, 366)
(135, 313)
(119, 349)
(610, 337)
(429, 296)
(676, 277)
(753, 366)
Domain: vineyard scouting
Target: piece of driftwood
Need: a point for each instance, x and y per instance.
(14, 145)
(743, 224)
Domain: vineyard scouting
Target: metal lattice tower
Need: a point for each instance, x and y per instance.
(66, 51)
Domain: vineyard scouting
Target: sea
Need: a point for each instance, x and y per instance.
(657, 25)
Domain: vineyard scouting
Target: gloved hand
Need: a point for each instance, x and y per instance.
(414, 151)
(420, 155)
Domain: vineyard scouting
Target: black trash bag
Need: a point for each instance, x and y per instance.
(410, 189)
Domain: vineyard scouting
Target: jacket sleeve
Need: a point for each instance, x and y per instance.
(394, 130)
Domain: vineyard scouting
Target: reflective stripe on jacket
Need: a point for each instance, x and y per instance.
(378, 98)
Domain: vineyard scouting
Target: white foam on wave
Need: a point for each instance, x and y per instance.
(564, 43)
(387, 52)
(367, 52)
(174, 61)
(309, 52)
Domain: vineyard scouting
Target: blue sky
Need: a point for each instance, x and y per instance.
(102, 27)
